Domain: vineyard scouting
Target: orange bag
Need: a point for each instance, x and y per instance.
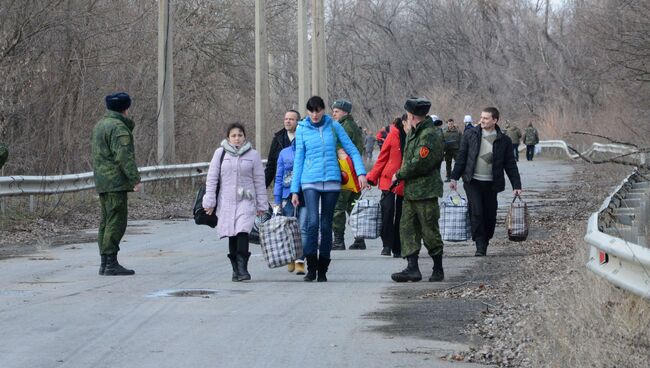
(349, 178)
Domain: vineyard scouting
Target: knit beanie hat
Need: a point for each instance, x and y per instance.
(468, 119)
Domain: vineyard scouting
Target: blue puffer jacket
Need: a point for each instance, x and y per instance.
(284, 173)
(315, 158)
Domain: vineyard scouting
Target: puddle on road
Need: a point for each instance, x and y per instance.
(16, 293)
(194, 293)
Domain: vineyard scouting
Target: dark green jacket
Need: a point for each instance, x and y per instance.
(4, 155)
(113, 154)
(353, 131)
(514, 134)
(452, 138)
(420, 168)
(530, 137)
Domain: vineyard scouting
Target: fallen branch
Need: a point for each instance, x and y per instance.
(615, 159)
(604, 137)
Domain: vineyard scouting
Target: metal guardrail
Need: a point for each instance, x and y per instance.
(56, 184)
(618, 236)
(31, 185)
(597, 150)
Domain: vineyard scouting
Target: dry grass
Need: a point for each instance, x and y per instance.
(583, 321)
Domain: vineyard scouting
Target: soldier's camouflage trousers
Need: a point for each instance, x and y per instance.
(113, 223)
(343, 206)
(420, 222)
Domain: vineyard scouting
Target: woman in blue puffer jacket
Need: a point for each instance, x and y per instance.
(316, 170)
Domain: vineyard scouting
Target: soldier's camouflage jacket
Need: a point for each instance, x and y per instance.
(421, 160)
(113, 154)
(354, 132)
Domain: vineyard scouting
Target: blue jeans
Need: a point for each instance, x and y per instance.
(327, 202)
(287, 210)
(515, 149)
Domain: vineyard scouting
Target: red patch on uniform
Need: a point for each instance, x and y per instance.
(424, 152)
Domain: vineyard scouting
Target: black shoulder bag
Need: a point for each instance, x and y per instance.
(200, 217)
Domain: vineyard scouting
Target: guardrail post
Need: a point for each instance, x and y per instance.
(177, 184)
(3, 206)
(31, 204)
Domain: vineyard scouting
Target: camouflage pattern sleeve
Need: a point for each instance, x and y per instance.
(425, 153)
(124, 153)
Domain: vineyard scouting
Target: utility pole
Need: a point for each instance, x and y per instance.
(303, 57)
(262, 91)
(318, 54)
(166, 145)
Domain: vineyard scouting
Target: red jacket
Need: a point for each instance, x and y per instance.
(388, 163)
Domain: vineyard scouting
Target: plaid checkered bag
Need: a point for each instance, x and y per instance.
(365, 218)
(455, 225)
(280, 241)
(517, 220)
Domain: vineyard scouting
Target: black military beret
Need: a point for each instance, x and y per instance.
(344, 105)
(118, 101)
(417, 106)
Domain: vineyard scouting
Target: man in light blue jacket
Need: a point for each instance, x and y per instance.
(316, 170)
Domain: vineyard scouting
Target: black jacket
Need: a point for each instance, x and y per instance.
(503, 159)
(280, 141)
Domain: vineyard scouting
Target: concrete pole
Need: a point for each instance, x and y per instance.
(166, 145)
(319, 53)
(262, 91)
(303, 57)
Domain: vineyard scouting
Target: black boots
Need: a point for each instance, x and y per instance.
(312, 265)
(438, 273)
(358, 244)
(323, 265)
(233, 263)
(242, 266)
(385, 251)
(113, 268)
(338, 243)
(102, 266)
(481, 247)
(410, 273)
(316, 266)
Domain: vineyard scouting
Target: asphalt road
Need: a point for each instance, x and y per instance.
(55, 311)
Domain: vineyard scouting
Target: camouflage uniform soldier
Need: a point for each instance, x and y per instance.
(452, 137)
(341, 112)
(514, 133)
(116, 174)
(531, 138)
(4, 155)
(420, 171)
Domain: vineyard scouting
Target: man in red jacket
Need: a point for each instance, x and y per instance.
(388, 163)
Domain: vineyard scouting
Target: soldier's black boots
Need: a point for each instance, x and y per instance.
(113, 268)
(410, 273)
(358, 244)
(481, 247)
(385, 251)
(338, 243)
(242, 266)
(438, 273)
(312, 265)
(323, 265)
(233, 263)
(102, 265)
